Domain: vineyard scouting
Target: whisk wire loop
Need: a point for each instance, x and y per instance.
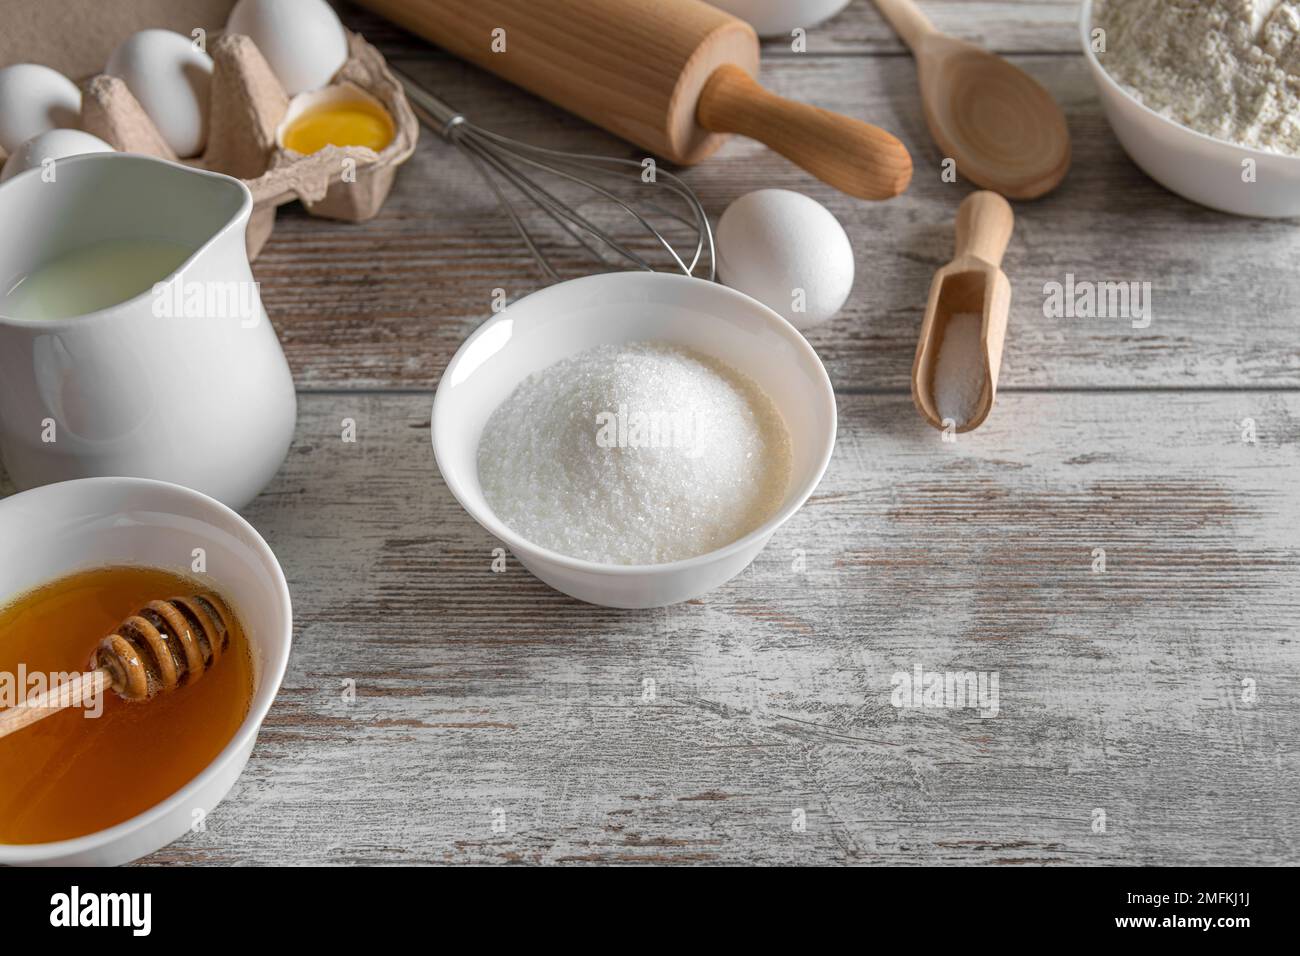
(496, 157)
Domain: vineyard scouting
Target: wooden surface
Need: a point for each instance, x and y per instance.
(498, 721)
(386, 303)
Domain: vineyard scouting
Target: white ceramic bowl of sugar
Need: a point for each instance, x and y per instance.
(1201, 168)
(571, 317)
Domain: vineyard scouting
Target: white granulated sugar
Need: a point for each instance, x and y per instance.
(959, 373)
(1226, 68)
(635, 454)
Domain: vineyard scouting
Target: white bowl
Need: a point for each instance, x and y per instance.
(773, 18)
(573, 316)
(59, 529)
(1198, 167)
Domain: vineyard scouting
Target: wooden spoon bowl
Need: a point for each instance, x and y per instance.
(1002, 127)
(1005, 131)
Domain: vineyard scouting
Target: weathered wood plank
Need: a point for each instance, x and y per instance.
(1008, 26)
(385, 303)
(1119, 690)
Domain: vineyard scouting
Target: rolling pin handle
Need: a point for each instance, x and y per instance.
(854, 157)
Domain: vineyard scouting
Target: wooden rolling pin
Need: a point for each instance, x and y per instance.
(672, 76)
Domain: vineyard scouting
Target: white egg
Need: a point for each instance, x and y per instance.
(302, 40)
(771, 18)
(170, 78)
(52, 144)
(787, 251)
(33, 99)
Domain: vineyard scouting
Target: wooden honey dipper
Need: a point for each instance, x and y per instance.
(162, 646)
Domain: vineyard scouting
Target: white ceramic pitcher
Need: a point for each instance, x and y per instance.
(185, 382)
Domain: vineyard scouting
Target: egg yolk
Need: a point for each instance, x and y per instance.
(340, 124)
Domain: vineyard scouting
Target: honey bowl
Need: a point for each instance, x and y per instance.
(163, 532)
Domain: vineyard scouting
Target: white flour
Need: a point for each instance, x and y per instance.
(959, 374)
(1226, 68)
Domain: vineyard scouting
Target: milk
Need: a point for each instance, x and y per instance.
(93, 277)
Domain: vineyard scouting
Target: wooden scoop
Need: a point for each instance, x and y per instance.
(1004, 130)
(971, 283)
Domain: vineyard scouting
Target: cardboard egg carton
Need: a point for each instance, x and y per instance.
(246, 104)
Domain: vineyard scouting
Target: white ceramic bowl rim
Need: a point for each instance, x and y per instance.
(24, 853)
(1085, 27)
(236, 221)
(522, 546)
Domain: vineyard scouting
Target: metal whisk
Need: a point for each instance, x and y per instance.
(519, 164)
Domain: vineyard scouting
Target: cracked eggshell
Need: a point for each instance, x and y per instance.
(302, 40)
(773, 242)
(170, 79)
(52, 144)
(34, 99)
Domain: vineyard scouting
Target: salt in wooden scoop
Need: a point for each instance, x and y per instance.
(164, 645)
(1003, 129)
(972, 284)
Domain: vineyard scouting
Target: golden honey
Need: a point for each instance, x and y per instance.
(69, 775)
(348, 123)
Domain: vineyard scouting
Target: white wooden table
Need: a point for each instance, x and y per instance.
(499, 721)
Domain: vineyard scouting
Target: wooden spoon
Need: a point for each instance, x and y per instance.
(1004, 130)
(972, 283)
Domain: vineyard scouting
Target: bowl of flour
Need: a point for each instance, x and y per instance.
(635, 439)
(1204, 95)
